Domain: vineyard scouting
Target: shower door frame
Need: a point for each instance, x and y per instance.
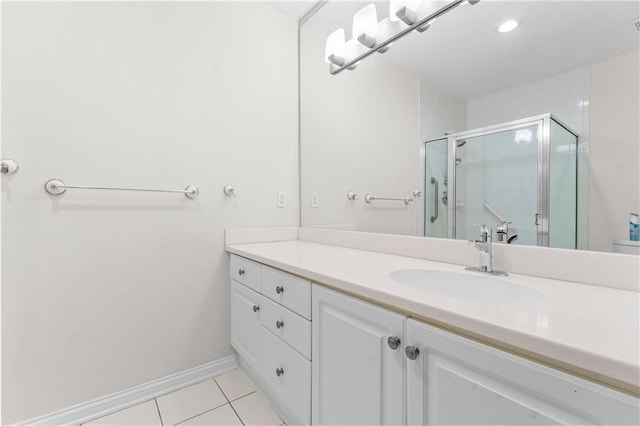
(543, 122)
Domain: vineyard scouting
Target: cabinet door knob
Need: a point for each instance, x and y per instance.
(279, 324)
(279, 289)
(256, 308)
(393, 342)
(240, 272)
(411, 352)
(279, 371)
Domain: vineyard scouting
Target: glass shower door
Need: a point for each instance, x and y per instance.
(435, 189)
(563, 186)
(497, 180)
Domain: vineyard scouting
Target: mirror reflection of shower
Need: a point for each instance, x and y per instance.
(520, 178)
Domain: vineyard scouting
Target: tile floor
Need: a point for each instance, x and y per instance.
(229, 399)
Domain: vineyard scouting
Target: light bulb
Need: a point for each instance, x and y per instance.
(410, 6)
(334, 48)
(365, 25)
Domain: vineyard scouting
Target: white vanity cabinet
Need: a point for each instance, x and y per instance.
(271, 331)
(454, 380)
(358, 361)
(326, 358)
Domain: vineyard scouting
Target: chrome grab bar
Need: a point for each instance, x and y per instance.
(57, 187)
(493, 212)
(369, 198)
(434, 181)
(498, 216)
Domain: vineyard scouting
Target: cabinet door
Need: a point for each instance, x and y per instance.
(245, 323)
(454, 380)
(288, 375)
(357, 377)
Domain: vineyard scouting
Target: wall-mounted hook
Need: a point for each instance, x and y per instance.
(229, 191)
(8, 167)
(352, 196)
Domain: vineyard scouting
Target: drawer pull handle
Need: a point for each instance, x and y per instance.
(393, 342)
(279, 324)
(256, 308)
(279, 289)
(411, 352)
(279, 371)
(240, 272)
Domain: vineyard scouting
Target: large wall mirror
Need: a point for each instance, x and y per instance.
(534, 132)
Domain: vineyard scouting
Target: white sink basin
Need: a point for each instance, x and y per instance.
(465, 286)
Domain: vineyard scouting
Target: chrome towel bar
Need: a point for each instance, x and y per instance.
(57, 187)
(369, 198)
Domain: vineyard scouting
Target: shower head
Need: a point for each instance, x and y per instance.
(460, 143)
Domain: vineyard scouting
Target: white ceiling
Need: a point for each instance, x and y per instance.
(294, 8)
(464, 54)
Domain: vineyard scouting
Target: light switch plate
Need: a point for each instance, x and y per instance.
(314, 200)
(282, 199)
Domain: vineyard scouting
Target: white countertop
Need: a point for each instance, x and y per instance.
(592, 331)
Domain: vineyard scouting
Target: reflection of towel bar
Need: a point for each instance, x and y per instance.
(369, 198)
(57, 187)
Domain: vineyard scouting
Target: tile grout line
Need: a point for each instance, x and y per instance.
(158, 408)
(229, 402)
(220, 387)
(204, 412)
(240, 397)
(237, 415)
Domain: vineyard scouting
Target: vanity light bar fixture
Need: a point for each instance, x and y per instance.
(370, 36)
(365, 26)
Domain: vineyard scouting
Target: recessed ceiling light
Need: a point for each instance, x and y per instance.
(507, 26)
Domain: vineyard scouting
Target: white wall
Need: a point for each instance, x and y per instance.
(440, 112)
(360, 131)
(105, 290)
(614, 149)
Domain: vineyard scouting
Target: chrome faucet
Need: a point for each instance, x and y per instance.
(503, 230)
(485, 255)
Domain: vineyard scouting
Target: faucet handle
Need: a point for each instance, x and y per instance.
(486, 234)
(504, 227)
(484, 229)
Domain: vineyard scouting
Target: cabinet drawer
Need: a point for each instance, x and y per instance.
(288, 374)
(288, 290)
(245, 271)
(290, 327)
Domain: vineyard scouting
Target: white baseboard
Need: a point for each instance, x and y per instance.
(117, 401)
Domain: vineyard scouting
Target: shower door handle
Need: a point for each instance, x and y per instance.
(434, 181)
